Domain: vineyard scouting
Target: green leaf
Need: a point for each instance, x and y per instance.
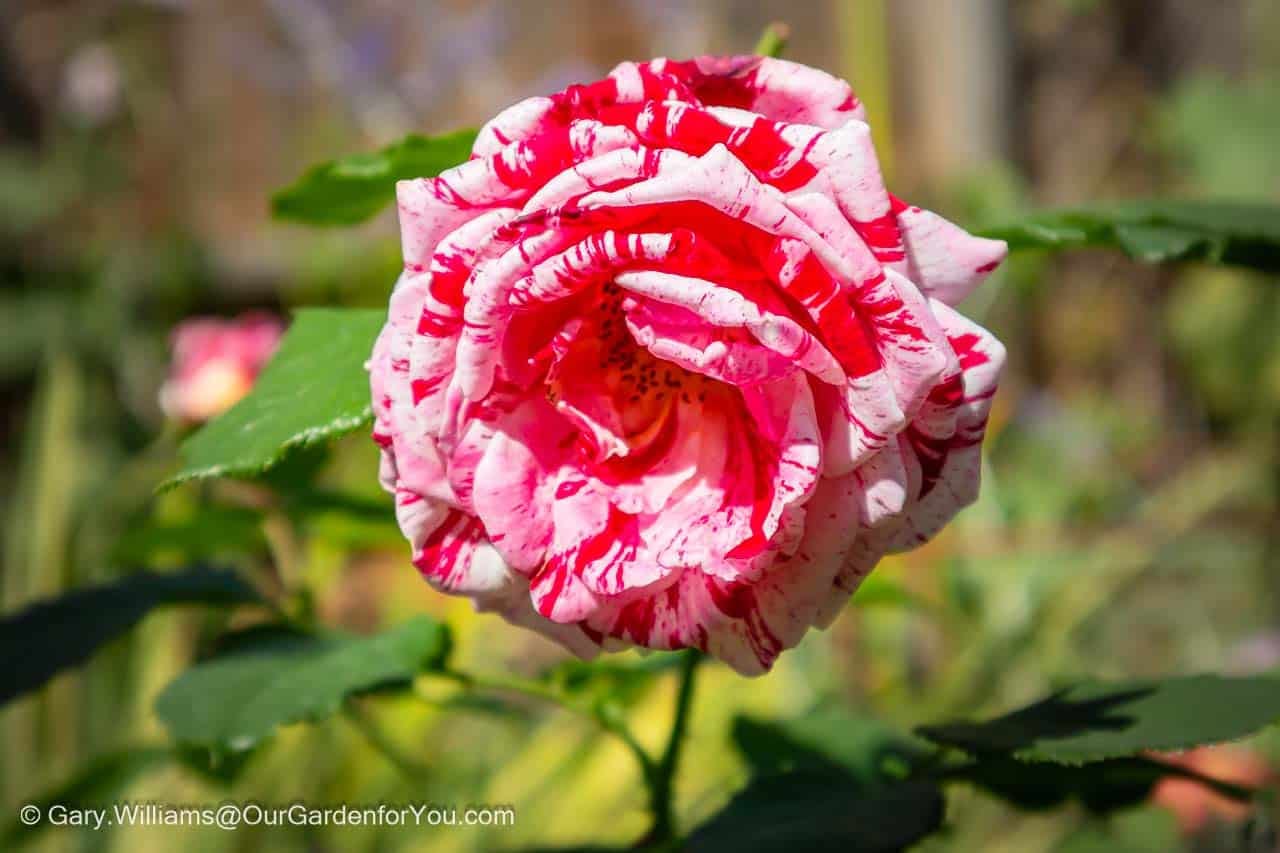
(1101, 786)
(47, 637)
(591, 848)
(773, 41)
(1238, 233)
(876, 591)
(99, 782)
(350, 190)
(1096, 721)
(1151, 829)
(233, 702)
(869, 751)
(213, 764)
(613, 680)
(208, 532)
(820, 811)
(314, 389)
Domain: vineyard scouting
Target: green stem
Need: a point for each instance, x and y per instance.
(661, 788)
(773, 40)
(605, 715)
(511, 684)
(659, 775)
(383, 744)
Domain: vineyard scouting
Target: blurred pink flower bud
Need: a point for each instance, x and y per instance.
(93, 85)
(215, 362)
(1194, 804)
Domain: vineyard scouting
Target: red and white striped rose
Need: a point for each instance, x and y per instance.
(668, 366)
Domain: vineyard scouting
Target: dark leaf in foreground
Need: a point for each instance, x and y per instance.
(49, 636)
(98, 783)
(1101, 786)
(819, 811)
(232, 702)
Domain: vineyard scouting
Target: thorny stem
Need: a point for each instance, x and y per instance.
(773, 40)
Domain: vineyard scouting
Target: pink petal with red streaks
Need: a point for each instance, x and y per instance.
(514, 484)
(679, 335)
(947, 262)
(722, 306)
(957, 463)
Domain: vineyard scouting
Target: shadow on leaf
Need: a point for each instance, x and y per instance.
(1054, 718)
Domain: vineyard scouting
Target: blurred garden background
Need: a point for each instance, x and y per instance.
(1128, 524)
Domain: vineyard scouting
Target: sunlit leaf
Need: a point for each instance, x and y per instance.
(49, 636)
(877, 591)
(1238, 233)
(236, 700)
(314, 389)
(354, 188)
(870, 751)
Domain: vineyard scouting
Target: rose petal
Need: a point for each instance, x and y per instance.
(946, 261)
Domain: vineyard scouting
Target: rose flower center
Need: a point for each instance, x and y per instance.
(620, 397)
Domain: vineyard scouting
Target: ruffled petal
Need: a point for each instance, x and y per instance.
(953, 465)
(678, 335)
(776, 88)
(514, 483)
(946, 261)
(430, 208)
(596, 552)
(908, 337)
(455, 557)
(722, 306)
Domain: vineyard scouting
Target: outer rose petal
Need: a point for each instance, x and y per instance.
(954, 483)
(790, 596)
(947, 261)
(670, 367)
(516, 607)
(454, 557)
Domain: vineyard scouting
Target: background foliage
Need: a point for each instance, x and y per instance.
(1127, 528)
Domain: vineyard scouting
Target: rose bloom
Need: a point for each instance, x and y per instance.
(215, 363)
(669, 367)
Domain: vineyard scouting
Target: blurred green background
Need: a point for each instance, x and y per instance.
(1128, 523)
